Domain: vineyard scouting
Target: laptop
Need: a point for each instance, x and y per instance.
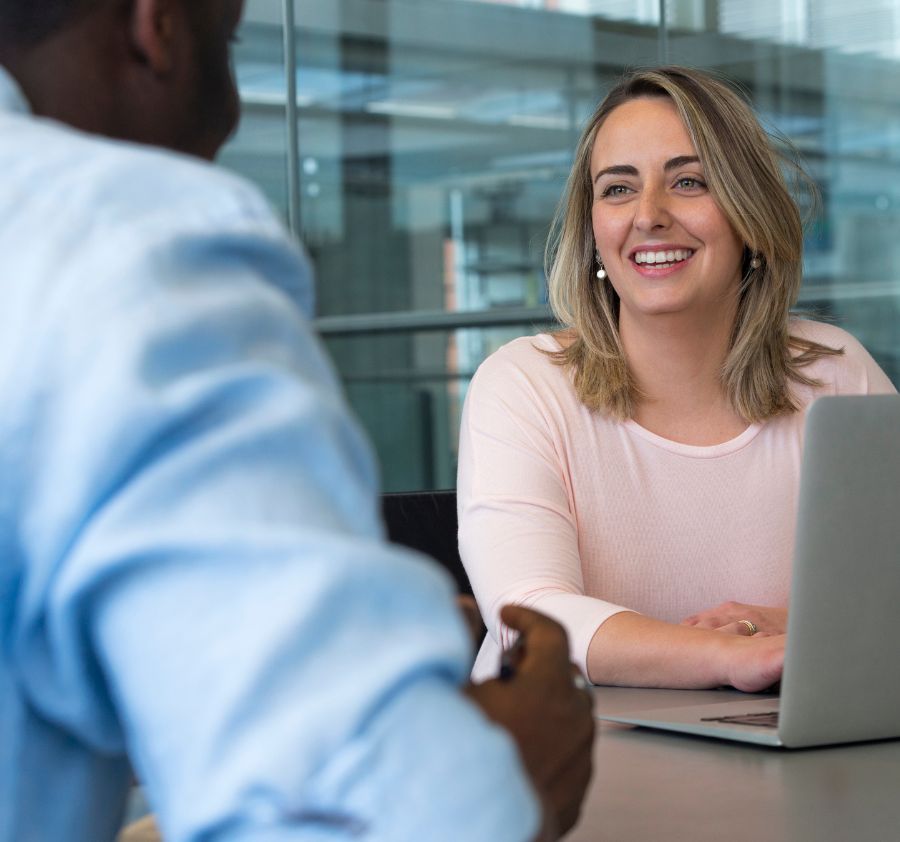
(841, 680)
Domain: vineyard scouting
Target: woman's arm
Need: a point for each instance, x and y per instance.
(518, 536)
(636, 651)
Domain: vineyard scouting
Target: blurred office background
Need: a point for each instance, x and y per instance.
(419, 147)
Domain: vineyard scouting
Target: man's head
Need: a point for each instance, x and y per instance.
(23, 22)
(151, 71)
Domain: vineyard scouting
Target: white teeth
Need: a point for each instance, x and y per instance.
(660, 257)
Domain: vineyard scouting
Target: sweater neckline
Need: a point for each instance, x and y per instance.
(696, 451)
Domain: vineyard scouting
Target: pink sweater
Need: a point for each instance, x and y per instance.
(582, 517)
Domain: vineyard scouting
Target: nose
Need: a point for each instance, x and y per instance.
(652, 211)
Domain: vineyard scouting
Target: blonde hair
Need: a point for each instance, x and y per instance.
(744, 176)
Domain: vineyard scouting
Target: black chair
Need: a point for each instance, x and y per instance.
(426, 521)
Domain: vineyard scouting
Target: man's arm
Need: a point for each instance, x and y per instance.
(208, 576)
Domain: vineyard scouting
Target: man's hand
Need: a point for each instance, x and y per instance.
(727, 618)
(548, 716)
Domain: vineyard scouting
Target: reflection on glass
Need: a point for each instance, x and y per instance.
(435, 140)
(258, 148)
(436, 135)
(408, 392)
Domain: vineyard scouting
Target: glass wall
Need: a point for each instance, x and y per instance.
(419, 147)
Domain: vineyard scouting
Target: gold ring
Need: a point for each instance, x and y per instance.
(751, 627)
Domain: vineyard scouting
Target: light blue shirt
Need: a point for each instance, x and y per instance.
(192, 566)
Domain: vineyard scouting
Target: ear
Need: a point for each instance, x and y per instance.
(153, 33)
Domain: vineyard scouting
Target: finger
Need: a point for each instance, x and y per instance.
(523, 619)
(735, 628)
(541, 633)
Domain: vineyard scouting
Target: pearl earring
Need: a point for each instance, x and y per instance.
(601, 269)
(755, 261)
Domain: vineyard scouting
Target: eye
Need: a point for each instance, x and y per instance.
(614, 190)
(689, 182)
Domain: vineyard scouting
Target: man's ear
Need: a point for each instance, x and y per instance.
(153, 32)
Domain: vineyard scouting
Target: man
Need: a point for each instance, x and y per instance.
(191, 561)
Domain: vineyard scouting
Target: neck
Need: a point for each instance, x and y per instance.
(72, 74)
(677, 360)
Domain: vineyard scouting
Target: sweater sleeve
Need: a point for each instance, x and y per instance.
(518, 534)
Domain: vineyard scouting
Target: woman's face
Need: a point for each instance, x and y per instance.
(666, 245)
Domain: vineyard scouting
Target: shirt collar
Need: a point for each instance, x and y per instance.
(11, 96)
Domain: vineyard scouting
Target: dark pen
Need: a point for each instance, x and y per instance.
(510, 657)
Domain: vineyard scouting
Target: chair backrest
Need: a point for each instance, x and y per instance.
(426, 521)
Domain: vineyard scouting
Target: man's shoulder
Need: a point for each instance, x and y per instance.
(86, 213)
(146, 185)
(118, 183)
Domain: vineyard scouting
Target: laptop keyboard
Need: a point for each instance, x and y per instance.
(768, 719)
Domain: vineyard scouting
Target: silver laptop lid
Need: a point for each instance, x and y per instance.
(842, 665)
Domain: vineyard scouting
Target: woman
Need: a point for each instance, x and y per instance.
(635, 475)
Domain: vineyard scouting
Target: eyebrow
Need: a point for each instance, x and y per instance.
(627, 169)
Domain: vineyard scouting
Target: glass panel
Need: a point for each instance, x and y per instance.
(408, 389)
(435, 140)
(258, 149)
(436, 135)
(826, 75)
(638, 11)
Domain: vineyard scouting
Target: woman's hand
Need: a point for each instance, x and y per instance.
(630, 650)
(727, 618)
(756, 664)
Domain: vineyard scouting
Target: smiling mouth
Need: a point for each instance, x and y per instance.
(662, 259)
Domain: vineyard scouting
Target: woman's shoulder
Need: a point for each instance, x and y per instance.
(824, 333)
(524, 352)
(850, 371)
(524, 364)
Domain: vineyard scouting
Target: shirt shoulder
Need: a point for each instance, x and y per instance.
(851, 372)
(111, 185)
(110, 214)
(528, 359)
(521, 385)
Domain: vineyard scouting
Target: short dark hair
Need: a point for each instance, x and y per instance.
(28, 22)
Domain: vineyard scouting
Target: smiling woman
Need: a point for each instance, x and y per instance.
(694, 135)
(655, 219)
(640, 466)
